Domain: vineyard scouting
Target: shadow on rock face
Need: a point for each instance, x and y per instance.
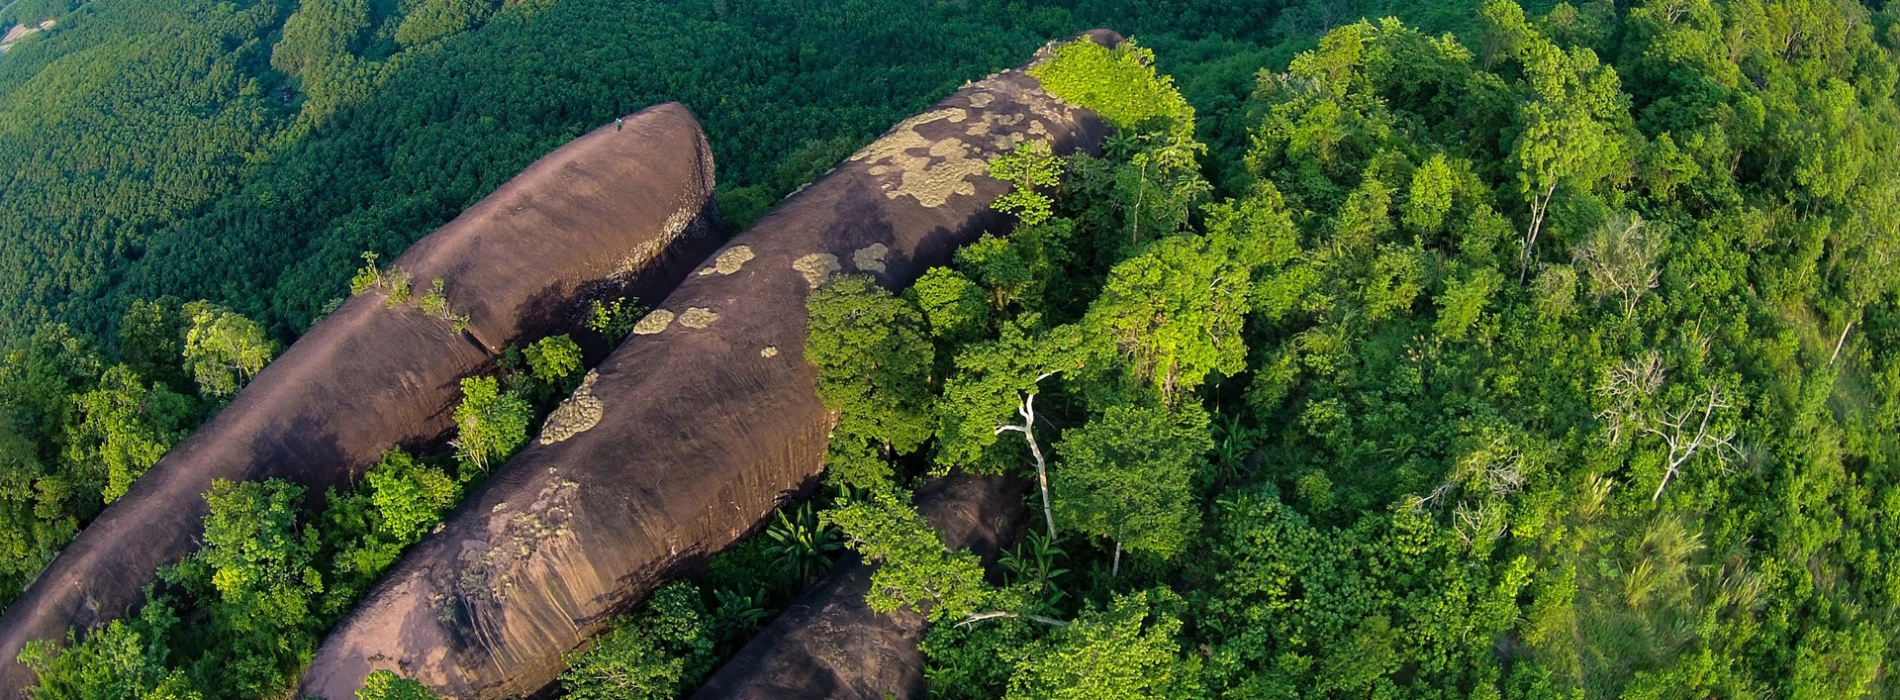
(611, 210)
(707, 417)
(830, 644)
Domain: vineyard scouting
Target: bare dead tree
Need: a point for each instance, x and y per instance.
(1497, 469)
(1673, 429)
(1540, 207)
(1475, 524)
(1028, 413)
(1625, 385)
(1504, 474)
(1620, 259)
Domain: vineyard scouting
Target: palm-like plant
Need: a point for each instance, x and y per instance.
(738, 614)
(1233, 443)
(1121, 144)
(1033, 562)
(801, 544)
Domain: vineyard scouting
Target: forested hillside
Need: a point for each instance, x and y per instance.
(1556, 356)
(246, 152)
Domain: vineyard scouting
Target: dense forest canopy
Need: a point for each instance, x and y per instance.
(1491, 351)
(1554, 364)
(246, 152)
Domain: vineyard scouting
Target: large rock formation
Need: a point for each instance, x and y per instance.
(693, 429)
(616, 209)
(830, 644)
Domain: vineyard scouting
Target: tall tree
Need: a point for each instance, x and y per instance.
(489, 423)
(124, 428)
(223, 349)
(1572, 127)
(1126, 475)
(1174, 314)
(874, 357)
(1125, 652)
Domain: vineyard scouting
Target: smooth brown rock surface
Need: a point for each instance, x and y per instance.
(612, 210)
(700, 423)
(830, 644)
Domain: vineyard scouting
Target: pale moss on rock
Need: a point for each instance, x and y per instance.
(930, 179)
(870, 258)
(698, 317)
(816, 267)
(486, 569)
(576, 414)
(729, 261)
(653, 322)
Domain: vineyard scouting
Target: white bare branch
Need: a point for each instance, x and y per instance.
(1626, 385)
(1673, 429)
(1027, 410)
(1619, 258)
(994, 614)
(1839, 343)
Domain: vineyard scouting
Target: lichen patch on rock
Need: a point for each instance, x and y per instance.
(729, 261)
(698, 317)
(576, 413)
(653, 322)
(769, 351)
(930, 179)
(981, 99)
(486, 569)
(870, 258)
(816, 267)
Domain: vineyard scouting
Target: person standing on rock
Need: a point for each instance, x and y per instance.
(618, 122)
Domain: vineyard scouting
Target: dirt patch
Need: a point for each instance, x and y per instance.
(522, 262)
(21, 31)
(699, 439)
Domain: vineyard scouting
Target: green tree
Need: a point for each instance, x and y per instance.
(1120, 84)
(1126, 476)
(874, 356)
(952, 305)
(553, 358)
(1029, 166)
(439, 18)
(1124, 652)
(124, 428)
(993, 382)
(1571, 128)
(124, 660)
(657, 653)
(223, 349)
(1174, 314)
(366, 530)
(151, 341)
(490, 424)
(915, 569)
(257, 577)
(386, 685)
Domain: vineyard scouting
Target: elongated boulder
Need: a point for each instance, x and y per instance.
(616, 209)
(830, 644)
(691, 431)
